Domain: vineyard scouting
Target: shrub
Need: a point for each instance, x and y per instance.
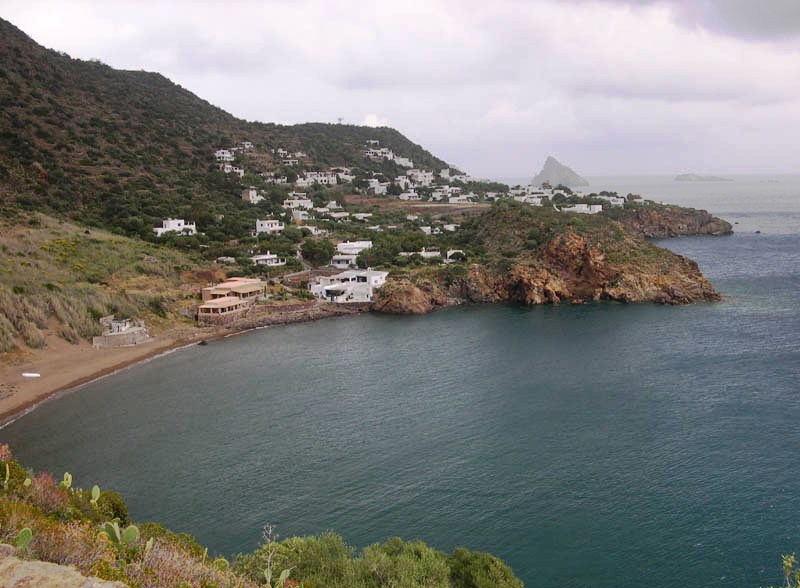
(45, 494)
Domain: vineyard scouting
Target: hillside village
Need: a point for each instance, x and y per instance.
(310, 205)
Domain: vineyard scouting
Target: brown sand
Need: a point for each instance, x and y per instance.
(62, 365)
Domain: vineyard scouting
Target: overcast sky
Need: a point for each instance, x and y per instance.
(607, 86)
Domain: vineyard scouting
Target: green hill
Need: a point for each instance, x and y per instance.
(125, 149)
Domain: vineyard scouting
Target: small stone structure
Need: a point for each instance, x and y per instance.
(120, 333)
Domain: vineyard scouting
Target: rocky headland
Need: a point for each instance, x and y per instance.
(564, 259)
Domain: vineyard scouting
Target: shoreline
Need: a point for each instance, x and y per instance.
(25, 395)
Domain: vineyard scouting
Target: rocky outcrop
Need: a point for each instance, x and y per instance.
(19, 573)
(673, 221)
(554, 173)
(569, 270)
(404, 297)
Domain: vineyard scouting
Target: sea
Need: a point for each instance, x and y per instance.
(602, 445)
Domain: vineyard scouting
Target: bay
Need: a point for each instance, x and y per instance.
(597, 445)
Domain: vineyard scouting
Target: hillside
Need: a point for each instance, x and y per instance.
(124, 149)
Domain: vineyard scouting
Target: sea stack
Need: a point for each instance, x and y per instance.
(554, 173)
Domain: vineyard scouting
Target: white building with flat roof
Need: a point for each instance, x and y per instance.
(223, 155)
(268, 259)
(581, 208)
(353, 247)
(251, 195)
(175, 225)
(298, 202)
(268, 226)
(349, 286)
(344, 260)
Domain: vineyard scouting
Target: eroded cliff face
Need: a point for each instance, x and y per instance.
(673, 221)
(569, 269)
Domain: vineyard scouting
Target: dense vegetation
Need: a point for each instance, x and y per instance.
(91, 530)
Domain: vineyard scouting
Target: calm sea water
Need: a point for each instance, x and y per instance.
(604, 445)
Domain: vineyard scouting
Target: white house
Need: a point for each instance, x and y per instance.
(425, 253)
(410, 196)
(299, 215)
(403, 161)
(581, 208)
(527, 199)
(316, 231)
(349, 286)
(361, 215)
(289, 161)
(296, 202)
(613, 200)
(268, 259)
(175, 225)
(231, 169)
(463, 199)
(377, 187)
(344, 260)
(268, 226)
(421, 176)
(251, 195)
(247, 145)
(353, 247)
(450, 227)
(273, 179)
(223, 155)
(323, 178)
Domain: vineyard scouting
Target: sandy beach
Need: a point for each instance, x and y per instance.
(62, 366)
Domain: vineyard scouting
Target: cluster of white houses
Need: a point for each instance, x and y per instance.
(231, 300)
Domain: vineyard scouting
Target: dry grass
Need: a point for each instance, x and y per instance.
(60, 278)
(168, 566)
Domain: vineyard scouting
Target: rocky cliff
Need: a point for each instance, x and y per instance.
(588, 260)
(658, 221)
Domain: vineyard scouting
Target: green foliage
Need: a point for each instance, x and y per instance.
(317, 251)
(121, 537)
(326, 561)
(24, 538)
(475, 569)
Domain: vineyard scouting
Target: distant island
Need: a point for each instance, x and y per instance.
(556, 173)
(700, 178)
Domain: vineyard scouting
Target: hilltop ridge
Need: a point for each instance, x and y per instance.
(117, 149)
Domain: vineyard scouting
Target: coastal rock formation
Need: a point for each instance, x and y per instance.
(699, 178)
(19, 573)
(674, 221)
(607, 261)
(405, 297)
(555, 173)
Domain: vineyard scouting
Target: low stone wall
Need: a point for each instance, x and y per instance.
(132, 337)
(287, 307)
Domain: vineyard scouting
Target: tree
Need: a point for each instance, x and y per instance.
(317, 251)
